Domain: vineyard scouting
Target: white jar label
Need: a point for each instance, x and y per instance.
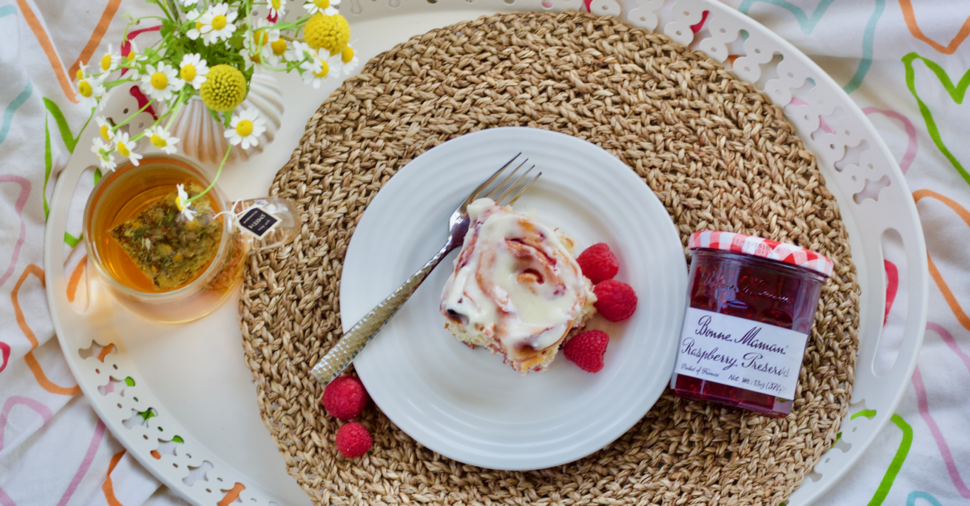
(740, 352)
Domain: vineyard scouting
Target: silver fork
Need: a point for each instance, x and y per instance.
(354, 340)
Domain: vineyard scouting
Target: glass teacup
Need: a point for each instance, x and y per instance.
(128, 229)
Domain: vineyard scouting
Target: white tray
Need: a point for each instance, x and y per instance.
(193, 375)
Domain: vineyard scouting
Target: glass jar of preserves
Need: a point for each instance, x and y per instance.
(751, 306)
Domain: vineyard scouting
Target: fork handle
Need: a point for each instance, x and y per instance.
(354, 340)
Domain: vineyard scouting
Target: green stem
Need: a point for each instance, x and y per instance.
(119, 125)
(161, 5)
(178, 105)
(213, 183)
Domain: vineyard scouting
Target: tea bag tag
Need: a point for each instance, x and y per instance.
(258, 222)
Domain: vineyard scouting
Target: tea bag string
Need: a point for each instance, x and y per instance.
(236, 216)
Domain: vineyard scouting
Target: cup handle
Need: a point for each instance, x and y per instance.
(284, 210)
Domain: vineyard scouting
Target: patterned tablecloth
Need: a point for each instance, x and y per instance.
(904, 62)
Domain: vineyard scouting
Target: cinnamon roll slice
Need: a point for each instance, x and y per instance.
(516, 288)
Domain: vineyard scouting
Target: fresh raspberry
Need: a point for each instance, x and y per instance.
(353, 440)
(615, 300)
(598, 263)
(345, 397)
(586, 350)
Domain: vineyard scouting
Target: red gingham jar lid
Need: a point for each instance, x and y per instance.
(764, 248)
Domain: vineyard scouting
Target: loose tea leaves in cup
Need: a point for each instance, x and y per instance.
(166, 247)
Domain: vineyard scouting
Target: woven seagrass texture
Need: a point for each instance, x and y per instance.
(715, 151)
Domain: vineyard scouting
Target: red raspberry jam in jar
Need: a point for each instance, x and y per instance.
(751, 305)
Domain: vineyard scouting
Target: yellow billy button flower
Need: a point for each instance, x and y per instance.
(329, 32)
(224, 88)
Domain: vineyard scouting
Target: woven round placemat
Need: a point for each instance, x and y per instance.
(715, 151)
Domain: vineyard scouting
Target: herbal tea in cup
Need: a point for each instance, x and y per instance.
(168, 265)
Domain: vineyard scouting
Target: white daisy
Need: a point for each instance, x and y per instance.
(319, 68)
(328, 7)
(189, 3)
(134, 55)
(245, 128)
(110, 61)
(162, 139)
(277, 9)
(193, 69)
(105, 129)
(260, 47)
(278, 49)
(217, 23)
(194, 16)
(134, 61)
(182, 201)
(160, 83)
(82, 72)
(104, 153)
(349, 60)
(89, 92)
(297, 51)
(126, 147)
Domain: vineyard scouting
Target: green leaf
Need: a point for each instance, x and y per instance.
(178, 439)
(69, 140)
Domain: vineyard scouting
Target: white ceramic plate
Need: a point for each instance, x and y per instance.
(467, 404)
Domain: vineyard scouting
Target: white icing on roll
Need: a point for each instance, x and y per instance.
(516, 287)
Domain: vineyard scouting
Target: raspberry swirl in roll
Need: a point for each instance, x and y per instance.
(516, 288)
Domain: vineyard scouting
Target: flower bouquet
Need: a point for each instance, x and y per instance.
(211, 49)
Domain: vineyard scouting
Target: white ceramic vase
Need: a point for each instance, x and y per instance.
(202, 137)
